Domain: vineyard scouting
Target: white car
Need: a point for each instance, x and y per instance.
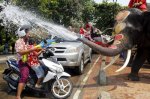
(72, 53)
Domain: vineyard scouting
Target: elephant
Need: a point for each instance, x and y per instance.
(131, 28)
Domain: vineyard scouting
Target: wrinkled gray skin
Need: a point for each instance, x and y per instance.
(136, 32)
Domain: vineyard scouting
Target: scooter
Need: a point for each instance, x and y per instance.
(56, 82)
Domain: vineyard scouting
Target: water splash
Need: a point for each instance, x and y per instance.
(13, 16)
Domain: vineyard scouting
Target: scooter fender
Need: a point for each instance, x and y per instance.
(64, 74)
(49, 76)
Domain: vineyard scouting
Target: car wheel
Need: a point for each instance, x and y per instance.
(80, 68)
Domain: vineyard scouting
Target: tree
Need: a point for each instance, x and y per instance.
(88, 10)
(67, 11)
(105, 13)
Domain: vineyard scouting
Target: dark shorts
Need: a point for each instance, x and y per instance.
(24, 71)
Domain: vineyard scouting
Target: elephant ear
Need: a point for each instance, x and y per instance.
(120, 18)
(119, 27)
(122, 15)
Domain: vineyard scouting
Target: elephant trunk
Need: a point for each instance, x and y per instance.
(114, 49)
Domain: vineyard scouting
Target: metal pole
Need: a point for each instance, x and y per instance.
(102, 80)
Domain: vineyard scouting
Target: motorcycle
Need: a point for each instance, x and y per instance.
(56, 82)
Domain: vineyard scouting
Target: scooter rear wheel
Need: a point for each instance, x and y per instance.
(15, 77)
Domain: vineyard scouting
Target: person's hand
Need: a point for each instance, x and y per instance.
(92, 40)
(136, 4)
(43, 50)
(36, 48)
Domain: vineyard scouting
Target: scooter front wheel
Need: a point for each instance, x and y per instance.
(61, 88)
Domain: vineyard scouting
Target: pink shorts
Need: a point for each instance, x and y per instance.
(24, 71)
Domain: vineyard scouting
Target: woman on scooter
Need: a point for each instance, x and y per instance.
(22, 51)
(34, 63)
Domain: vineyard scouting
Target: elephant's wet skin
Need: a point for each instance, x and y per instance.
(133, 26)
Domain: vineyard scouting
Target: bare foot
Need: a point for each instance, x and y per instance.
(18, 97)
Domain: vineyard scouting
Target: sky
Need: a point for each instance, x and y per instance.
(121, 2)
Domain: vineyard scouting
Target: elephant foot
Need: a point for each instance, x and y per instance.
(133, 77)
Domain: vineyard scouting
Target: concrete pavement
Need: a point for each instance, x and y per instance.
(3, 58)
(92, 89)
(118, 86)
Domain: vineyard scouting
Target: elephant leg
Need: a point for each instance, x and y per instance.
(137, 64)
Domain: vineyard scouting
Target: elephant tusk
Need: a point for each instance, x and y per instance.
(126, 62)
(112, 61)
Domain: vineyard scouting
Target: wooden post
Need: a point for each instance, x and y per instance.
(102, 75)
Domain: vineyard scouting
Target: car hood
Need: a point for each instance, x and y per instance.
(67, 44)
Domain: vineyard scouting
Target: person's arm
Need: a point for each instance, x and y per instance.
(130, 5)
(39, 52)
(140, 3)
(84, 30)
(23, 52)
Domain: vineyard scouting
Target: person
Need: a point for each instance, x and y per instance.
(13, 45)
(88, 26)
(21, 50)
(140, 4)
(34, 63)
(96, 35)
(89, 31)
(6, 48)
(82, 30)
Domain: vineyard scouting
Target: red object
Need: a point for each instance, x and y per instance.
(119, 37)
(142, 7)
(88, 26)
(81, 31)
(33, 58)
(101, 44)
(113, 46)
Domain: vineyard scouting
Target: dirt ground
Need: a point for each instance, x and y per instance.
(120, 87)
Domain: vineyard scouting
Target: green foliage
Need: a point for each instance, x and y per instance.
(105, 13)
(1, 48)
(47, 7)
(71, 12)
(10, 37)
(88, 11)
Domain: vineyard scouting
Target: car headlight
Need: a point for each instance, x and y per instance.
(72, 50)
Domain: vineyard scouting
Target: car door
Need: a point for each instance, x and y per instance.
(86, 51)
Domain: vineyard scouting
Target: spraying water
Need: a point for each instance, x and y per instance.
(13, 16)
